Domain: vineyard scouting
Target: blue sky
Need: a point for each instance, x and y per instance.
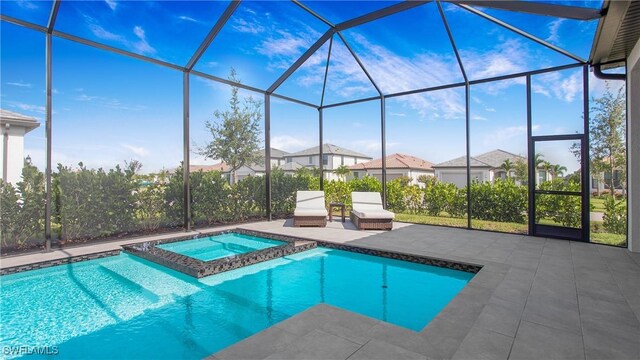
(109, 108)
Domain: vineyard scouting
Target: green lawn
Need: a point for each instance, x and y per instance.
(597, 236)
(597, 204)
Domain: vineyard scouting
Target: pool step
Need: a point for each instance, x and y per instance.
(157, 281)
(115, 297)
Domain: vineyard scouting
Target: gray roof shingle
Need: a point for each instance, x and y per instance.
(491, 159)
(329, 149)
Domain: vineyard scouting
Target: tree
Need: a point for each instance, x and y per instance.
(607, 132)
(235, 132)
(521, 172)
(558, 170)
(507, 166)
(342, 171)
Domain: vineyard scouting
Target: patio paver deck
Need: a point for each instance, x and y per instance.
(534, 298)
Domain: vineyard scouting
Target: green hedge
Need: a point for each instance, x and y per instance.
(91, 204)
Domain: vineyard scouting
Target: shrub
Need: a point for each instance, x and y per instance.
(439, 197)
(366, 183)
(337, 191)
(615, 216)
(562, 209)
(22, 209)
(209, 197)
(396, 200)
(93, 203)
(502, 201)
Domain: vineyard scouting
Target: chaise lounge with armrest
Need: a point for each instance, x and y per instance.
(310, 210)
(367, 212)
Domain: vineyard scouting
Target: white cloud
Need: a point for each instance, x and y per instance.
(108, 102)
(508, 57)
(244, 26)
(291, 143)
(19, 84)
(397, 114)
(26, 107)
(142, 46)
(562, 87)
(103, 34)
(112, 4)
(554, 28)
(505, 134)
(136, 150)
(30, 5)
(187, 18)
(84, 97)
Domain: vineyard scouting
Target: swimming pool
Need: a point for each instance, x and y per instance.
(126, 307)
(219, 246)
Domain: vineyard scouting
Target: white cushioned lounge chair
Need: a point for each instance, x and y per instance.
(368, 213)
(310, 210)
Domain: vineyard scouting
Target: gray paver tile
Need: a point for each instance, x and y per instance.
(259, 345)
(535, 342)
(380, 350)
(317, 345)
(484, 344)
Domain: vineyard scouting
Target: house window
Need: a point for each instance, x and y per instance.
(342, 160)
(325, 159)
(289, 160)
(542, 176)
(310, 160)
(356, 175)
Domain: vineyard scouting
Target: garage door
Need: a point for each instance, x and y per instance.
(459, 179)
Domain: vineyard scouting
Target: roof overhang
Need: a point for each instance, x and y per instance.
(617, 33)
(18, 120)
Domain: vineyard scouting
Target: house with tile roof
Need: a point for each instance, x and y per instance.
(398, 165)
(258, 169)
(333, 156)
(483, 167)
(14, 127)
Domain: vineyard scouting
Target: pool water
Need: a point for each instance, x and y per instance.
(126, 307)
(219, 246)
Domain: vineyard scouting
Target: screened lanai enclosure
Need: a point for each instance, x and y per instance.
(475, 114)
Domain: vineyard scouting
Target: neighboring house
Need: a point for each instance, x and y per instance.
(484, 167)
(14, 127)
(277, 161)
(333, 156)
(397, 165)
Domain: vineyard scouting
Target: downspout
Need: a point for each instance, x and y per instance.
(597, 71)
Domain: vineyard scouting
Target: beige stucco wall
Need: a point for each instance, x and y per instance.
(15, 153)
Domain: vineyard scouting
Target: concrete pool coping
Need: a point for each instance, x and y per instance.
(534, 298)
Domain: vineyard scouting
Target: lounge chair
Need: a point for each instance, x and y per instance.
(368, 213)
(310, 210)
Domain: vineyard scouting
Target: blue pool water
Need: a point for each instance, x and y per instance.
(127, 307)
(219, 246)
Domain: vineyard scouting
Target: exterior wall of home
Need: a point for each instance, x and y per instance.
(304, 160)
(14, 138)
(458, 176)
(633, 146)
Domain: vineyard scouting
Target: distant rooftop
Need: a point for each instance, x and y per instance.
(329, 149)
(491, 159)
(395, 161)
(16, 119)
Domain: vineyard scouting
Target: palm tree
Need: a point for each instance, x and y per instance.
(342, 171)
(507, 166)
(547, 167)
(558, 170)
(538, 160)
